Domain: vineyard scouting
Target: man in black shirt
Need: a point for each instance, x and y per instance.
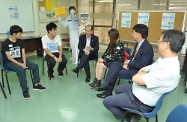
(14, 50)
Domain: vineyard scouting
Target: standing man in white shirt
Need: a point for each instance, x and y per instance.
(152, 81)
(52, 46)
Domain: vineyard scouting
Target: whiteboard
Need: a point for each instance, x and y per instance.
(16, 12)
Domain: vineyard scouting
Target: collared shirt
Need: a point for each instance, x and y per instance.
(88, 41)
(139, 45)
(162, 76)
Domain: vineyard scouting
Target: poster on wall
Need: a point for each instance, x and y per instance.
(84, 18)
(13, 10)
(168, 21)
(47, 16)
(126, 20)
(143, 18)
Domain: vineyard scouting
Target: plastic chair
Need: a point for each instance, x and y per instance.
(43, 60)
(178, 114)
(6, 70)
(149, 115)
(3, 90)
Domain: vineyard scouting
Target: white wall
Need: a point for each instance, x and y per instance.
(40, 29)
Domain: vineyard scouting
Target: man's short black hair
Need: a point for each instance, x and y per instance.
(50, 26)
(15, 29)
(142, 29)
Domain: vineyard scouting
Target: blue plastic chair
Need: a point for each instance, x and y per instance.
(149, 115)
(7, 70)
(3, 90)
(178, 114)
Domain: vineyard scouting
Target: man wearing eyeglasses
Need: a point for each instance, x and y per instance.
(152, 81)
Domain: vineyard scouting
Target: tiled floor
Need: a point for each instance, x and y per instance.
(67, 99)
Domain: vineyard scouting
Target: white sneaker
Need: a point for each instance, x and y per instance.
(75, 63)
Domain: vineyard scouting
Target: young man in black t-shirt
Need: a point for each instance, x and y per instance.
(14, 49)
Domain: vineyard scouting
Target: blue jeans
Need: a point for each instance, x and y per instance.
(21, 72)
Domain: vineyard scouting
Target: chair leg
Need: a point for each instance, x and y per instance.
(32, 79)
(42, 66)
(118, 81)
(104, 74)
(79, 69)
(2, 77)
(147, 120)
(123, 119)
(8, 83)
(156, 118)
(184, 63)
(66, 70)
(185, 72)
(3, 91)
(185, 78)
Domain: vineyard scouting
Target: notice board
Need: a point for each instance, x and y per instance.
(154, 23)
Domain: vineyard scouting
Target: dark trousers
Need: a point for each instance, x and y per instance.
(21, 72)
(51, 63)
(123, 99)
(115, 71)
(84, 63)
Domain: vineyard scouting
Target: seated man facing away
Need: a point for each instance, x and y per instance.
(88, 46)
(52, 45)
(14, 49)
(152, 81)
(141, 57)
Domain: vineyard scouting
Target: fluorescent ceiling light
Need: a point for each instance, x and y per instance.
(159, 4)
(102, 1)
(125, 4)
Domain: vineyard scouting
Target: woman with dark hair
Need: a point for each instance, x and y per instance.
(114, 52)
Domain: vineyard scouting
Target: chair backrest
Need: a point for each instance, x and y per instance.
(178, 114)
(157, 106)
(127, 53)
(4, 63)
(128, 50)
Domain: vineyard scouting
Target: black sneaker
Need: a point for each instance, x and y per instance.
(26, 95)
(51, 76)
(60, 73)
(39, 87)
